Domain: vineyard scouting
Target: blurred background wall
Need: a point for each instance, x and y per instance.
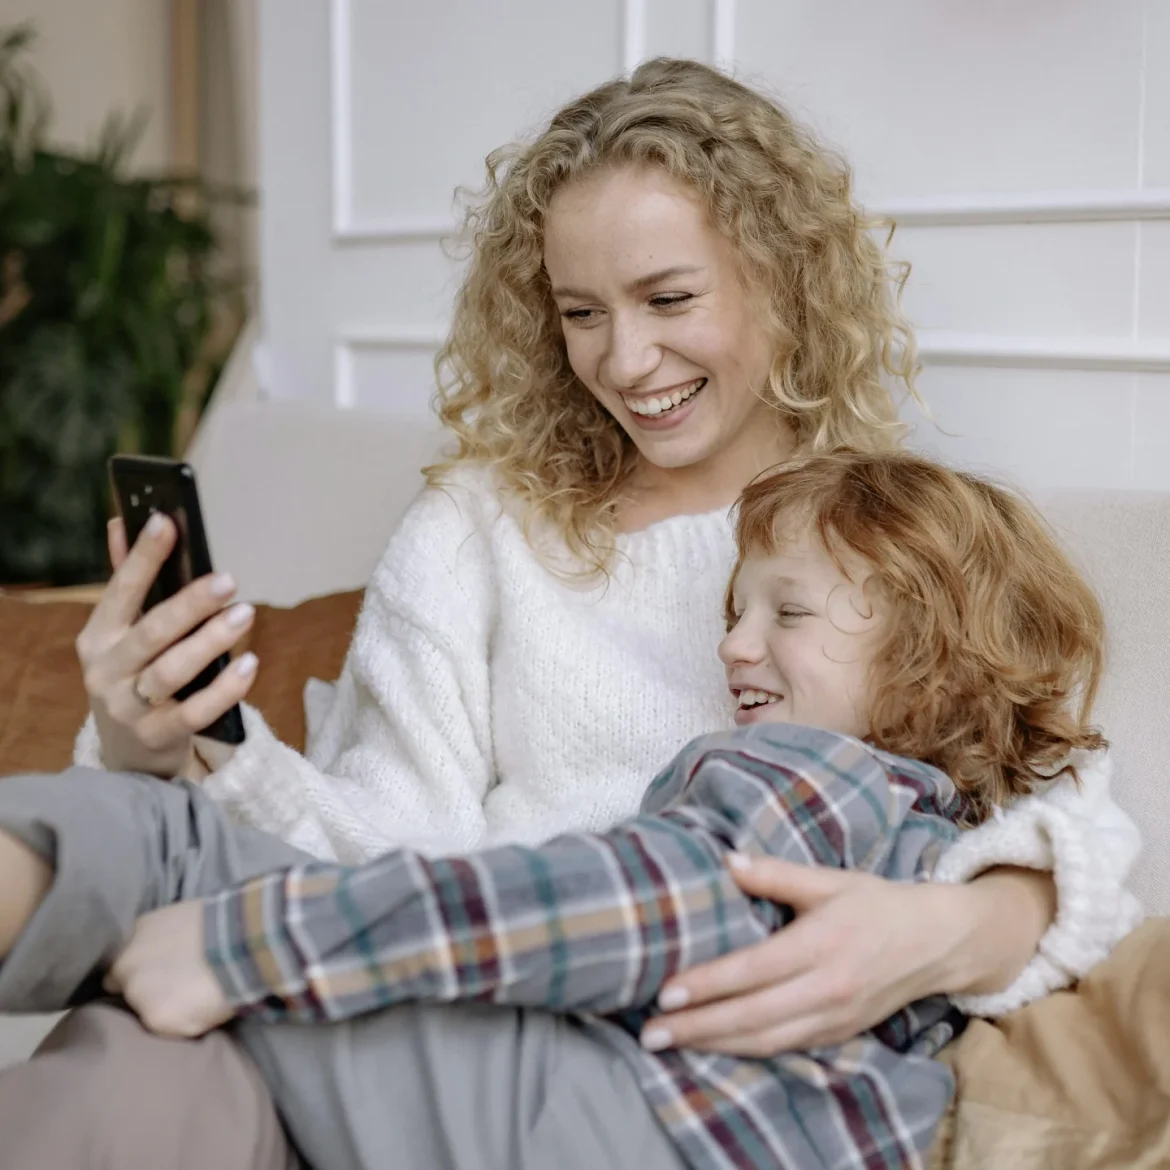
(1023, 147)
(190, 65)
(102, 55)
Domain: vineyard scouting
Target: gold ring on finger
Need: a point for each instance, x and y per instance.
(144, 699)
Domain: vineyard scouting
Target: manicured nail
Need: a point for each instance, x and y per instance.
(240, 615)
(656, 1039)
(246, 664)
(222, 585)
(739, 861)
(673, 998)
(156, 525)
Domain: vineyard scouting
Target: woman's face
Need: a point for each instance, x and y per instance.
(657, 322)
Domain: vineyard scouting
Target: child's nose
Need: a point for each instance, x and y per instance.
(739, 645)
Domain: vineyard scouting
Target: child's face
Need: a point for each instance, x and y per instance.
(804, 639)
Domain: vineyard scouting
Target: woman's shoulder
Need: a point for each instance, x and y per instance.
(466, 499)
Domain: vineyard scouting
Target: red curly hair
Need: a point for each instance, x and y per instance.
(993, 644)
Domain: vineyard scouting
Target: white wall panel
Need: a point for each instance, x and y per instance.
(1154, 279)
(422, 112)
(382, 374)
(407, 284)
(1152, 432)
(296, 244)
(678, 28)
(1156, 109)
(1016, 279)
(933, 97)
(1040, 428)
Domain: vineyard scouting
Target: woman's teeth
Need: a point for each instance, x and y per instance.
(654, 406)
(756, 698)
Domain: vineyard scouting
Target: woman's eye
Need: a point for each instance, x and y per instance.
(788, 614)
(577, 314)
(670, 300)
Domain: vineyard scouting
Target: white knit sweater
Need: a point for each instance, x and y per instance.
(486, 699)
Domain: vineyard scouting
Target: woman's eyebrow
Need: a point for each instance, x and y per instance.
(651, 278)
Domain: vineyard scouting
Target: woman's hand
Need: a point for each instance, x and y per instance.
(861, 948)
(132, 665)
(163, 975)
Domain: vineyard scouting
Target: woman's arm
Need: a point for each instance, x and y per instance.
(1074, 833)
(1030, 902)
(404, 755)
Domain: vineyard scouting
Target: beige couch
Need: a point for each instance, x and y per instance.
(300, 502)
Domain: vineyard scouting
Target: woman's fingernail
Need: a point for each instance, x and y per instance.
(656, 1039)
(222, 585)
(739, 861)
(246, 664)
(673, 998)
(156, 525)
(240, 615)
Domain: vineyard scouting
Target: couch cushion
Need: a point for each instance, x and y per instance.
(42, 701)
(1122, 541)
(1079, 1080)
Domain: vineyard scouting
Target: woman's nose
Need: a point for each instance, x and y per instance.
(632, 355)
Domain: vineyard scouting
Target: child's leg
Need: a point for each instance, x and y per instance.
(457, 1087)
(116, 846)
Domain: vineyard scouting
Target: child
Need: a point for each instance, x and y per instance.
(891, 624)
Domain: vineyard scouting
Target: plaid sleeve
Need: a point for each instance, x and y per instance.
(592, 923)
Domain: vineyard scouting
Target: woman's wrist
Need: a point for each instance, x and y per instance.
(1005, 913)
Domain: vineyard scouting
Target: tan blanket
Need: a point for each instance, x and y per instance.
(1078, 1081)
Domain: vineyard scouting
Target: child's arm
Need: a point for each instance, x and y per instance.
(592, 923)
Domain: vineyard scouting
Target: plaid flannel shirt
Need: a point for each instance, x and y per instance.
(595, 924)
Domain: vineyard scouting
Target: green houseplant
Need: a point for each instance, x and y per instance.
(108, 296)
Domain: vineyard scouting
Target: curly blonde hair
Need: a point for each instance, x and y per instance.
(992, 643)
(830, 295)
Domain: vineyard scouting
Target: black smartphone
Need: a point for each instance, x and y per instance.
(143, 485)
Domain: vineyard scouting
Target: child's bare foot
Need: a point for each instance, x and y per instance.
(25, 878)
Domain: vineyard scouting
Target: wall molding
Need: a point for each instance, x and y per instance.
(341, 155)
(935, 348)
(723, 18)
(633, 48)
(1121, 355)
(968, 211)
(1027, 207)
(351, 342)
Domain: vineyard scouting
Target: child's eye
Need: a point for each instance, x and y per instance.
(788, 613)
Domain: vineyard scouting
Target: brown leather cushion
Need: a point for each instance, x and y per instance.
(1079, 1080)
(42, 701)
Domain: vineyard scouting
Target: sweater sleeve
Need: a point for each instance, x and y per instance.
(404, 755)
(1090, 845)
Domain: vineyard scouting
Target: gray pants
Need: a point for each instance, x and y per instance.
(429, 1087)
